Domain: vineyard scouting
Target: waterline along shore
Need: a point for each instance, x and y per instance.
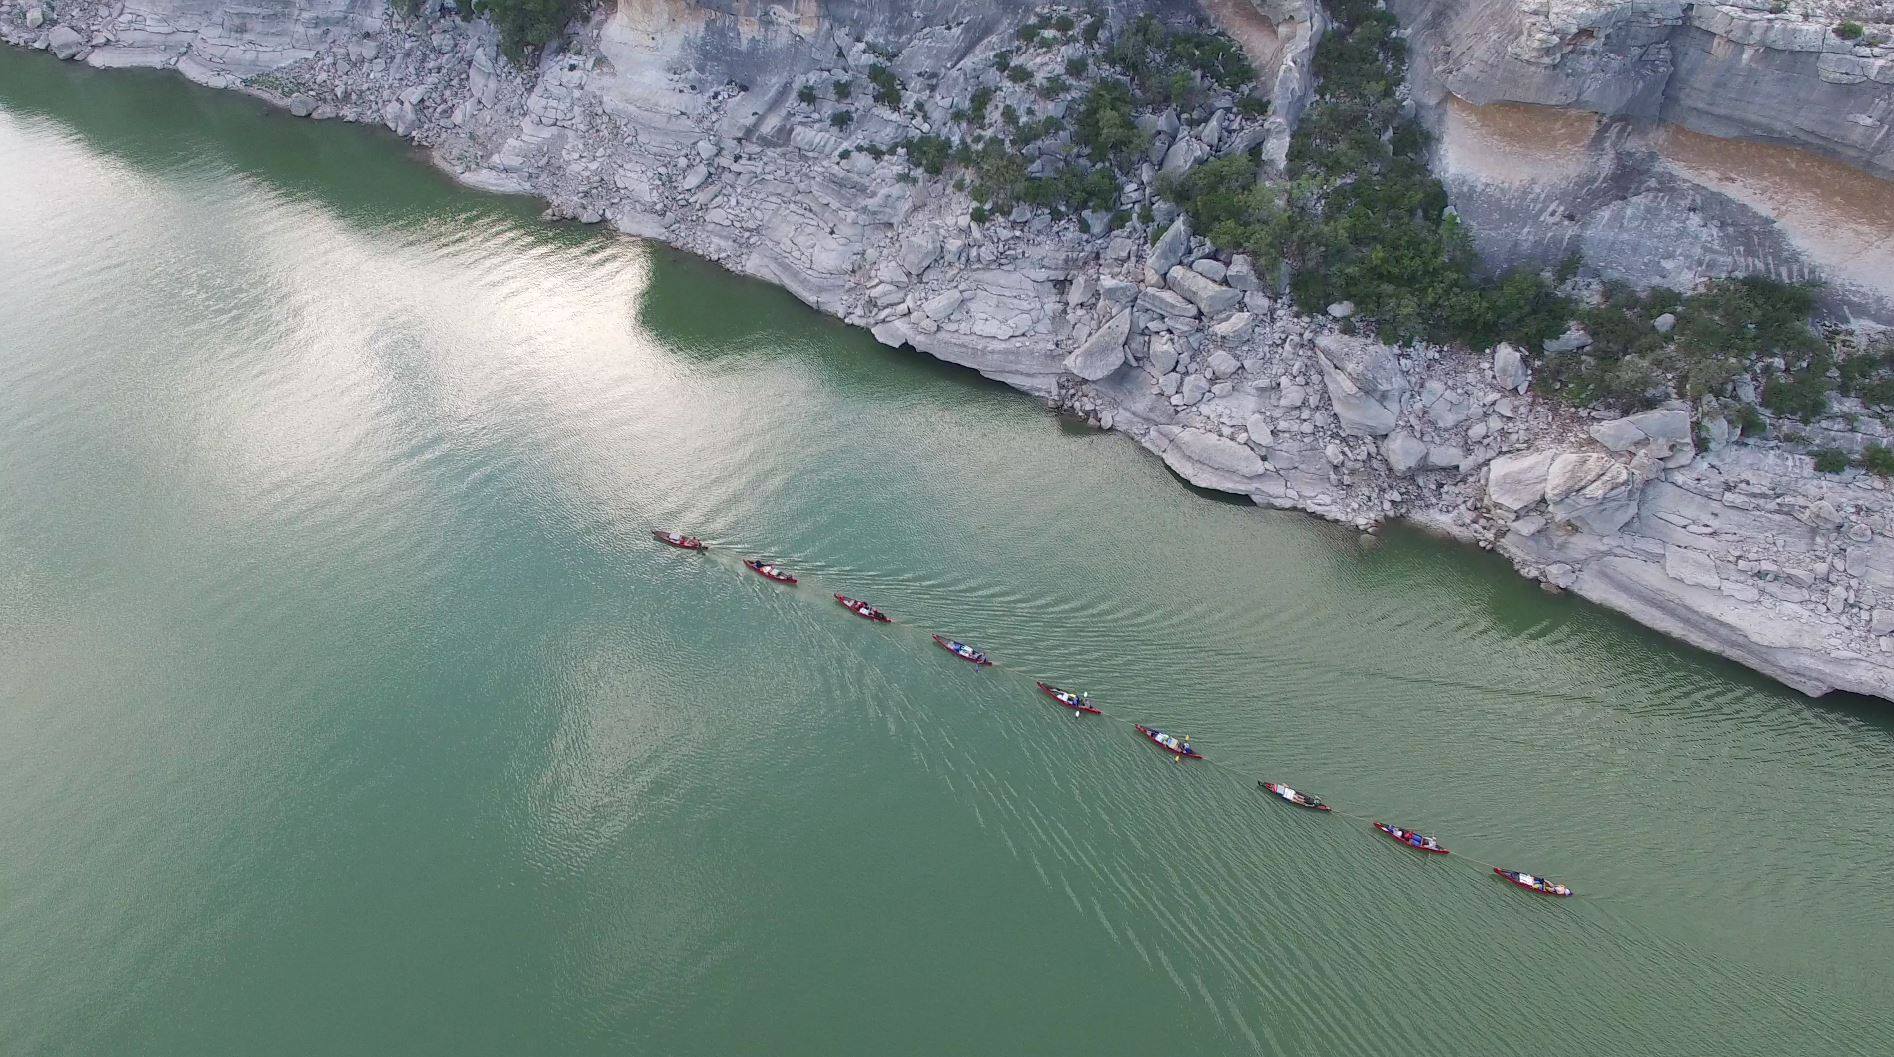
(1732, 545)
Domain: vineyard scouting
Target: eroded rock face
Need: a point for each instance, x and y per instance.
(1725, 69)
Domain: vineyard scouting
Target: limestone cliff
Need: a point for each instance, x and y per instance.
(1742, 68)
(716, 127)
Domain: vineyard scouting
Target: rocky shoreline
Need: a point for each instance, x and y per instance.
(716, 133)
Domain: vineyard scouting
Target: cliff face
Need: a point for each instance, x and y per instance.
(1557, 119)
(1724, 69)
(688, 122)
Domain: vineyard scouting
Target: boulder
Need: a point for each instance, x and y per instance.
(1210, 268)
(1341, 309)
(1665, 323)
(694, 178)
(1572, 340)
(35, 17)
(1618, 434)
(399, 115)
(1689, 565)
(1262, 434)
(1821, 514)
(1444, 407)
(1364, 383)
(941, 307)
(1602, 507)
(1103, 352)
(1195, 388)
(1445, 457)
(1242, 274)
(1211, 298)
(1509, 367)
(1223, 365)
(1217, 452)
(1117, 291)
(1404, 451)
(1235, 328)
(1164, 302)
(1572, 471)
(1163, 354)
(1516, 482)
(1666, 428)
(65, 42)
(1170, 246)
(917, 254)
(1665, 425)
(1183, 156)
(301, 105)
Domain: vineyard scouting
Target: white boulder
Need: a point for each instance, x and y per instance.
(1103, 352)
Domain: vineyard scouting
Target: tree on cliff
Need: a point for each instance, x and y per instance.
(528, 24)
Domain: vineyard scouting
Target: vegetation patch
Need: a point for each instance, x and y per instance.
(1150, 65)
(527, 25)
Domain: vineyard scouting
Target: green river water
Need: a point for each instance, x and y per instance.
(346, 708)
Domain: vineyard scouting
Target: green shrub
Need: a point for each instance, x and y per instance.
(1053, 87)
(976, 108)
(1831, 460)
(1849, 31)
(1002, 60)
(843, 88)
(1063, 23)
(1869, 374)
(1802, 396)
(1750, 421)
(525, 25)
(1076, 66)
(1174, 65)
(1105, 127)
(1878, 460)
(806, 95)
(1722, 333)
(1018, 74)
(887, 86)
(928, 153)
(842, 119)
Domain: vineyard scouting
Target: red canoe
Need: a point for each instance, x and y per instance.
(962, 651)
(768, 571)
(1291, 796)
(1533, 884)
(679, 540)
(1075, 702)
(1182, 751)
(862, 609)
(1408, 837)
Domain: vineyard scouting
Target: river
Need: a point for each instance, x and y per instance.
(347, 708)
